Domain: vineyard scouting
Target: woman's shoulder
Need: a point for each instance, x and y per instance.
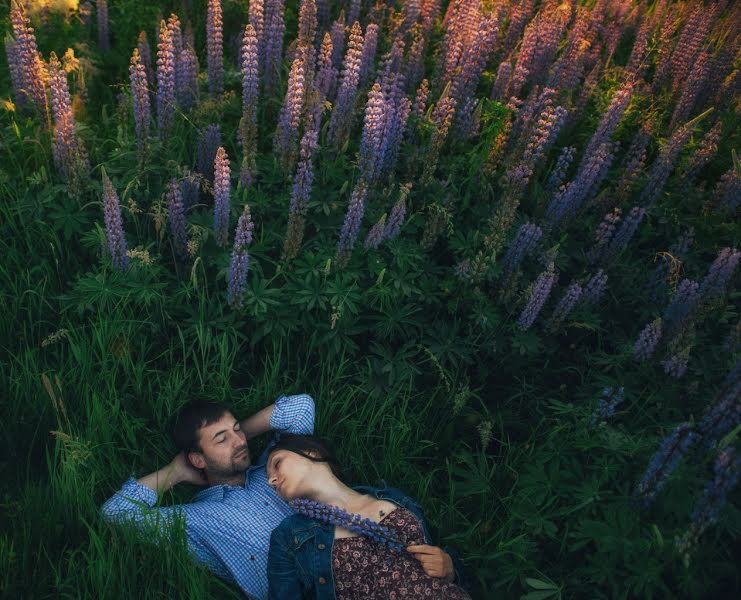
(293, 524)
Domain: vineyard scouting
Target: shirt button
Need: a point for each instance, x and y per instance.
(252, 557)
(322, 546)
(322, 580)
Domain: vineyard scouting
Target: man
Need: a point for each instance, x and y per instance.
(228, 524)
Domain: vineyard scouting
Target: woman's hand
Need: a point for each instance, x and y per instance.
(435, 561)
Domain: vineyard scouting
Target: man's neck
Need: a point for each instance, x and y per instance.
(237, 480)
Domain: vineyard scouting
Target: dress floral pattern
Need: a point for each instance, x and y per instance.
(364, 569)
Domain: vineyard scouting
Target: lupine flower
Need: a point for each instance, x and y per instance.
(145, 56)
(691, 88)
(664, 461)
(334, 515)
(102, 14)
(337, 34)
(239, 266)
(725, 415)
(140, 99)
(623, 235)
(307, 22)
(604, 234)
(340, 123)
(696, 28)
(274, 29)
(190, 185)
(504, 72)
(565, 305)
(214, 48)
(420, 99)
(354, 11)
(256, 18)
(524, 242)
(728, 191)
(176, 214)
(682, 305)
(647, 340)
(705, 151)
(664, 164)
(442, 119)
(398, 213)
(302, 183)
(558, 175)
(187, 78)
(16, 71)
(221, 197)
(635, 160)
(610, 119)
(595, 287)
(727, 470)
(370, 44)
(326, 78)
(165, 81)
(69, 154)
(250, 91)
(208, 144)
(351, 225)
(538, 296)
(714, 284)
(85, 10)
(375, 235)
(676, 364)
(607, 404)
(31, 66)
(286, 135)
(114, 225)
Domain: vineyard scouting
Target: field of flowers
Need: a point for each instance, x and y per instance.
(496, 240)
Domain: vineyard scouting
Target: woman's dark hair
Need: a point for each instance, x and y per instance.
(309, 447)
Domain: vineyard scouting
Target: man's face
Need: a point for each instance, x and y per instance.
(224, 453)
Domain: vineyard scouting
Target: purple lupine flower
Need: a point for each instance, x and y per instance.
(558, 174)
(102, 15)
(27, 54)
(540, 291)
(176, 36)
(610, 119)
(176, 215)
(340, 122)
(504, 73)
(337, 35)
(208, 145)
(398, 213)
(140, 99)
(692, 88)
(664, 461)
(222, 187)
(623, 235)
(676, 364)
(303, 182)
(256, 18)
(190, 186)
(214, 48)
(274, 29)
(420, 99)
(415, 59)
(696, 28)
(442, 119)
(524, 242)
(69, 154)
(370, 44)
(16, 71)
(285, 141)
(351, 225)
(664, 164)
(334, 515)
(239, 266)
(187, 78)
(595, 287)
(714, 284)
(647, 340)
(354, 11)
(375, 235)
(727, 470)
(307, 22)
(728, 191)
(606, 405)
(326, 78)
(635, 159)
(604, 234)
(250, 91)
(725, 415)
(565, 305)
(114, 230)
(705, 151)
(145, 56)
(683, 304)
(165, 81)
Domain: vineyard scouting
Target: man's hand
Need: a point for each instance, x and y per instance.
(184, 472)
(435, 562)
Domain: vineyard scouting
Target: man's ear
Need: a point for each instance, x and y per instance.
(196, 459)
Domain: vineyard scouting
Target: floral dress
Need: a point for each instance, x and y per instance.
(364, 569)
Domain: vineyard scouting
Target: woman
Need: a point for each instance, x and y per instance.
(347, 543)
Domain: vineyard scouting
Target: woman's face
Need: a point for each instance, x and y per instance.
(290, 474)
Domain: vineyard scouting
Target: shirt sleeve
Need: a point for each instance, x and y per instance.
(293, 414)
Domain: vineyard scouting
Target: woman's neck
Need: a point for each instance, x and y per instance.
(331, 490)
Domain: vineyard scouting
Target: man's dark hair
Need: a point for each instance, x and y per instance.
(309, 447)
(194, 415)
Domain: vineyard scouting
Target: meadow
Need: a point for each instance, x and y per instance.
(497, 241)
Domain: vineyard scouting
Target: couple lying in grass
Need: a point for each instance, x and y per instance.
(287, 526)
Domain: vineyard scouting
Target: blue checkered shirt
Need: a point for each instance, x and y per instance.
(228, 527)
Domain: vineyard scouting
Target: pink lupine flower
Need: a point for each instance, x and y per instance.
(326, 79)
(274, 30)
(165, 81)
(286, 135)
(145, 56)
(250, 90)
(222, 188)
(27, 54)
(340, 124)
(257, 20)
(140, 99)
(214, 47)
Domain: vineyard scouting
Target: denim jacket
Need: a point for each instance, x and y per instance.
(300, 556)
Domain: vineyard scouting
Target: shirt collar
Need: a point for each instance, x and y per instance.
(215, 493)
